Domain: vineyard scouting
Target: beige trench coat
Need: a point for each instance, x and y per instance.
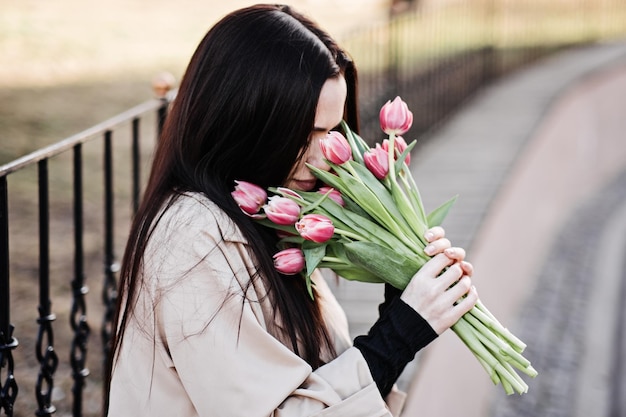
(194, 348)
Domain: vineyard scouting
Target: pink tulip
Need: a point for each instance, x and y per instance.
(315, 227)
(377, 161)
(289, 261)
(336, 148)
(400, 146)
(333, 195)
(395, 117)
(282, 210)
(249, 197)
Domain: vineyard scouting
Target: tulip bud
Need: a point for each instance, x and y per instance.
(282, 210)
(289, 261)
(377, 161)
(400, 145)
(336, 148)
(333, 195)
(395, 117)
(249, 197)
(315, 227)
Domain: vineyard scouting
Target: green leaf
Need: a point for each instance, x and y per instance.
(313, 254)
(357, 144)
(409, 214)
(345, 219)
(312, 206)
(272, 225)
(387, 200)
(355, 208)
(400, 161)
(383, 262)
(328, 178)
(436, 217)
(356, 274)
(292, 239)
(309, 286)
(371, 200)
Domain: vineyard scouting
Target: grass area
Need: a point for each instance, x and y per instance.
(69, 64)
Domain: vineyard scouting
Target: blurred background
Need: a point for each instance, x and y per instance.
(68, 65)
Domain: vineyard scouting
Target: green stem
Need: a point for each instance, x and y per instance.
(391, 153)
(335, 260)
(512, 372)
(349, 234)
(484, 309)
(508, 388)
(492, 372)
(504, 347)
(494, 325)
(529, 370)
(507, 355)
(415, 193)
(465, 330)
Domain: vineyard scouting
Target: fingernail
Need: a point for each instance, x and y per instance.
(450, 252)
(429, 250)
(429, 236)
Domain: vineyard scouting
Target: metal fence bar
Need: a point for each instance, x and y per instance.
(109, 290)
(8, 386)
(136, 185)
(78, 315)
(46, 354)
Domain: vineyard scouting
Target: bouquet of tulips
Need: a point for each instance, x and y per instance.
(368, 225)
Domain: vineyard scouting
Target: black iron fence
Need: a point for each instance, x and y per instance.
(434, 57)
(45, 349)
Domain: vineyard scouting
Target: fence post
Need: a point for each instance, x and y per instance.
(78, 314)
(8, 387)
(111, 267)
(161, 85)
(46, 355)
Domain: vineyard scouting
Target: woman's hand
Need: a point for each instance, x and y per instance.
(433, 293)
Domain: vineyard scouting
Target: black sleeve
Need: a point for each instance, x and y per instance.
(391, 293)
(393, 341)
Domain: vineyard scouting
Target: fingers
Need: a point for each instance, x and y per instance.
(442, 292)
(466, 303)
(437, 243)
(434, 233)
(437, 246)
(467, 267)
(453, 274)
(458, 254)
(435, 266)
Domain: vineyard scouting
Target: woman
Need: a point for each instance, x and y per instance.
(207, 326)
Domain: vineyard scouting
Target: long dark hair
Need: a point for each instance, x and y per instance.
(244, 111)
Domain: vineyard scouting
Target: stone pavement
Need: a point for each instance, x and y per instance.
(539, 162)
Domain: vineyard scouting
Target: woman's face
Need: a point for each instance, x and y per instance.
(328, 115)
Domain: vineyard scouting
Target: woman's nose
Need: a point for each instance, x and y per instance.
(316, 157)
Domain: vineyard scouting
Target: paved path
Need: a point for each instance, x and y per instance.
(539, 161)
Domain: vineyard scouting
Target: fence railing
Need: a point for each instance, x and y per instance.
(434, 58)
(46, 353)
